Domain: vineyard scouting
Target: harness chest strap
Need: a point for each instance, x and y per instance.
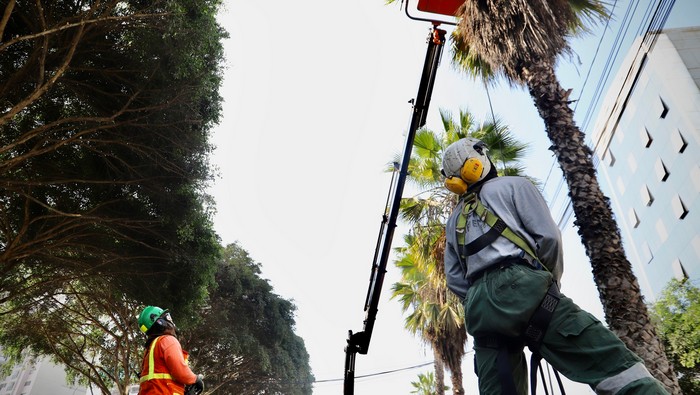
(497, 228)
(151, 366)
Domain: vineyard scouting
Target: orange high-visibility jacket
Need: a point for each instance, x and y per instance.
(165, 370)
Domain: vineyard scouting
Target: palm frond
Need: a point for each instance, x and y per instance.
(587, 14)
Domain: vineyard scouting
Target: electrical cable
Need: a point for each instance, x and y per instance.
(378, 373)
(654, 26)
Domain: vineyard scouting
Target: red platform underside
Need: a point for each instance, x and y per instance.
(444, 7)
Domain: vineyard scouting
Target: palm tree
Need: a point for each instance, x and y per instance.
(436, 314)
(521, 40)
(426, 384)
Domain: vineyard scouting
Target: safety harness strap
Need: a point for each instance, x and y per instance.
(532, 337)
(498, 228)
(534, 333)
(539, 322)
(151, 365)
(535, 364)
(505, 346)
(487, 238)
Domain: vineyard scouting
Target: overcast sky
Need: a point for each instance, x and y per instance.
(316, 104)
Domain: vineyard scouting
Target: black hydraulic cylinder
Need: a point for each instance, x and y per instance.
(359, 342)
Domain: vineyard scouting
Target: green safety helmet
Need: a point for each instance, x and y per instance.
(149, 316)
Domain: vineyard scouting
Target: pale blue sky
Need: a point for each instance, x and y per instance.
(316, 104)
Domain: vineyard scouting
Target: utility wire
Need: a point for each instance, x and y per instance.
(658, 20)
(583, 86)
(379, 373)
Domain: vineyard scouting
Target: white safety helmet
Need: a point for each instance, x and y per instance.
(465, 163)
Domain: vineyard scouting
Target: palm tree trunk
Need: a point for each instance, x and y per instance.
(456, 378)
(625, 310)
(439, 374)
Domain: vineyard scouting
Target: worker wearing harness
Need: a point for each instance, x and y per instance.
(165, 369)
(504, 259)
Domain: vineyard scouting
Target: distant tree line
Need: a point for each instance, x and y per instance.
(105, 113)
(677, 314)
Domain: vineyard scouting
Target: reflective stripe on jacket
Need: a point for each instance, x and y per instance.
(165, 370)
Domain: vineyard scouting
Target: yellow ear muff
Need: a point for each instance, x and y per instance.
(456, 185)
(472, 170)
(470, 173)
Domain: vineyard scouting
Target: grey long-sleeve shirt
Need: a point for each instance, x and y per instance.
(521, 206)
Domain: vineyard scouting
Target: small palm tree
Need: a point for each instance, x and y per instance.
(426, 384)
(439, 322)
(436, 314)
(521, 41)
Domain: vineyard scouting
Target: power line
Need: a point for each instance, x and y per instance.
(655, 24)
(595, 55)
(560, 184)
(609, 62)
(379, 373)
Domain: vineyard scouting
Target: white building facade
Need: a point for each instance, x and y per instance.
(647, 136)
(40, 377)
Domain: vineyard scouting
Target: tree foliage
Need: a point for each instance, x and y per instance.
(677, 314)
(105, 111)
(426, 384)
(245, 341)
(86, 326)
(105, 108)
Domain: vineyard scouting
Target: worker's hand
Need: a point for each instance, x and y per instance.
(196, 388)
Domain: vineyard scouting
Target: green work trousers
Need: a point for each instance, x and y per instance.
(576, 344)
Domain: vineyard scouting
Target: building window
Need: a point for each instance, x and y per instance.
(634, 219)
(679, 272)
(620, 185)
(647, 197)
(632, 162)
(679, 209)
(661, 108)
(647, 256)
(661, 170)
(646, 137)
(610, 158)
(661, 230)
(678, 141)
(619, 135)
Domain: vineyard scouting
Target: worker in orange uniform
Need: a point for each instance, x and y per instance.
(165, 370)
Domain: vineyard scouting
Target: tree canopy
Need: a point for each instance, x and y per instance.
(87, 326)
(105, 109)
(105, 114)
(245, 340)
(677, 314)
